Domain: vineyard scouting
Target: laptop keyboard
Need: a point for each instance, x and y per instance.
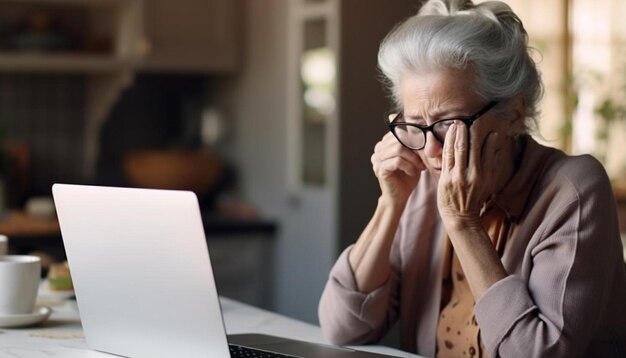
(245, 352)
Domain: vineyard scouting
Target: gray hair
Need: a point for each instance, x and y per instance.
(487, 38)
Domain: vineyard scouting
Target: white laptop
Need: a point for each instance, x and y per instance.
(143, 279)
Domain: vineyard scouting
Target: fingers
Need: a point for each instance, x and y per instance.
(491, 155)
(389, 155)
(455, 149)
(389, 148)
(470, 169)
(390, 166)
(447, 155)
(461, 147)
(475, 152)
(482, 153)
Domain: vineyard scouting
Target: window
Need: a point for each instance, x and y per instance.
(582, 58)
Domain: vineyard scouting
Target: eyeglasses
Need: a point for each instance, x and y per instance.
(413, 136)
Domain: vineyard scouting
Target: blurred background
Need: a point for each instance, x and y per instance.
(267, 110)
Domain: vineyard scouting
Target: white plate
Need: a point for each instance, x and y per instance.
(47, 294)
(40, 314)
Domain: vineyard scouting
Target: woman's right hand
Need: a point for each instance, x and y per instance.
(397, 168)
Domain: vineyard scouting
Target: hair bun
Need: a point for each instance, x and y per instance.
(445, 7)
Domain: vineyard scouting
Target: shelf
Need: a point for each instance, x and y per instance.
(82, 3)
(92, 36)
(65, 63)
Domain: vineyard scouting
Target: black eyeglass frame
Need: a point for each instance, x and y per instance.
(468, 121)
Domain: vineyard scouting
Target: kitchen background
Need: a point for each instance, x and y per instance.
(268, 110)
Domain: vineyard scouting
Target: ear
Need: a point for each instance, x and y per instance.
(517, 111)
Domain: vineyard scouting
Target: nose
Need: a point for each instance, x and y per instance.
(433, 147)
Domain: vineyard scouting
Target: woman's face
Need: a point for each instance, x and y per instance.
(429, 97)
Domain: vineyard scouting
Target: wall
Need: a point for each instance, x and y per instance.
(363, 106)
(254, 105)
(46, 113)
(158, 111)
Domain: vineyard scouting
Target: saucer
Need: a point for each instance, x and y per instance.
(40, 314)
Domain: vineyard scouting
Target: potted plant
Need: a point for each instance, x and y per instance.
(610, 111)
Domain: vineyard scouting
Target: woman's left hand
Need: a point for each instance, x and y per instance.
(469, 176)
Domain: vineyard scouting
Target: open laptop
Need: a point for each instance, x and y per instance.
(143, 278)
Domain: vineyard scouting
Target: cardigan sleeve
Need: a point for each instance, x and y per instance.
(348, 316)
(554, 311)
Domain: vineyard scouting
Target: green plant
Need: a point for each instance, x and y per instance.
(570, 92)
(610, 111)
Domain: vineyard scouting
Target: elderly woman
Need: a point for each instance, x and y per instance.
(483, 242)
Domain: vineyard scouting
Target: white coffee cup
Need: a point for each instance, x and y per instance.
(19, 281)
(4, 245)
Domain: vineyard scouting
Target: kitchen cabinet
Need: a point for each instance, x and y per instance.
(69, 36)
(106, 42)
(192, 36)
(97, 39)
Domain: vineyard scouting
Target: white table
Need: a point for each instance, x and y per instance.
(61, 335)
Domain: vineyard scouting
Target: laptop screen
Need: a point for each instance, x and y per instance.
(141, 271)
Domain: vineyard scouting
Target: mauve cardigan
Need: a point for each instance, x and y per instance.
(565, 295)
